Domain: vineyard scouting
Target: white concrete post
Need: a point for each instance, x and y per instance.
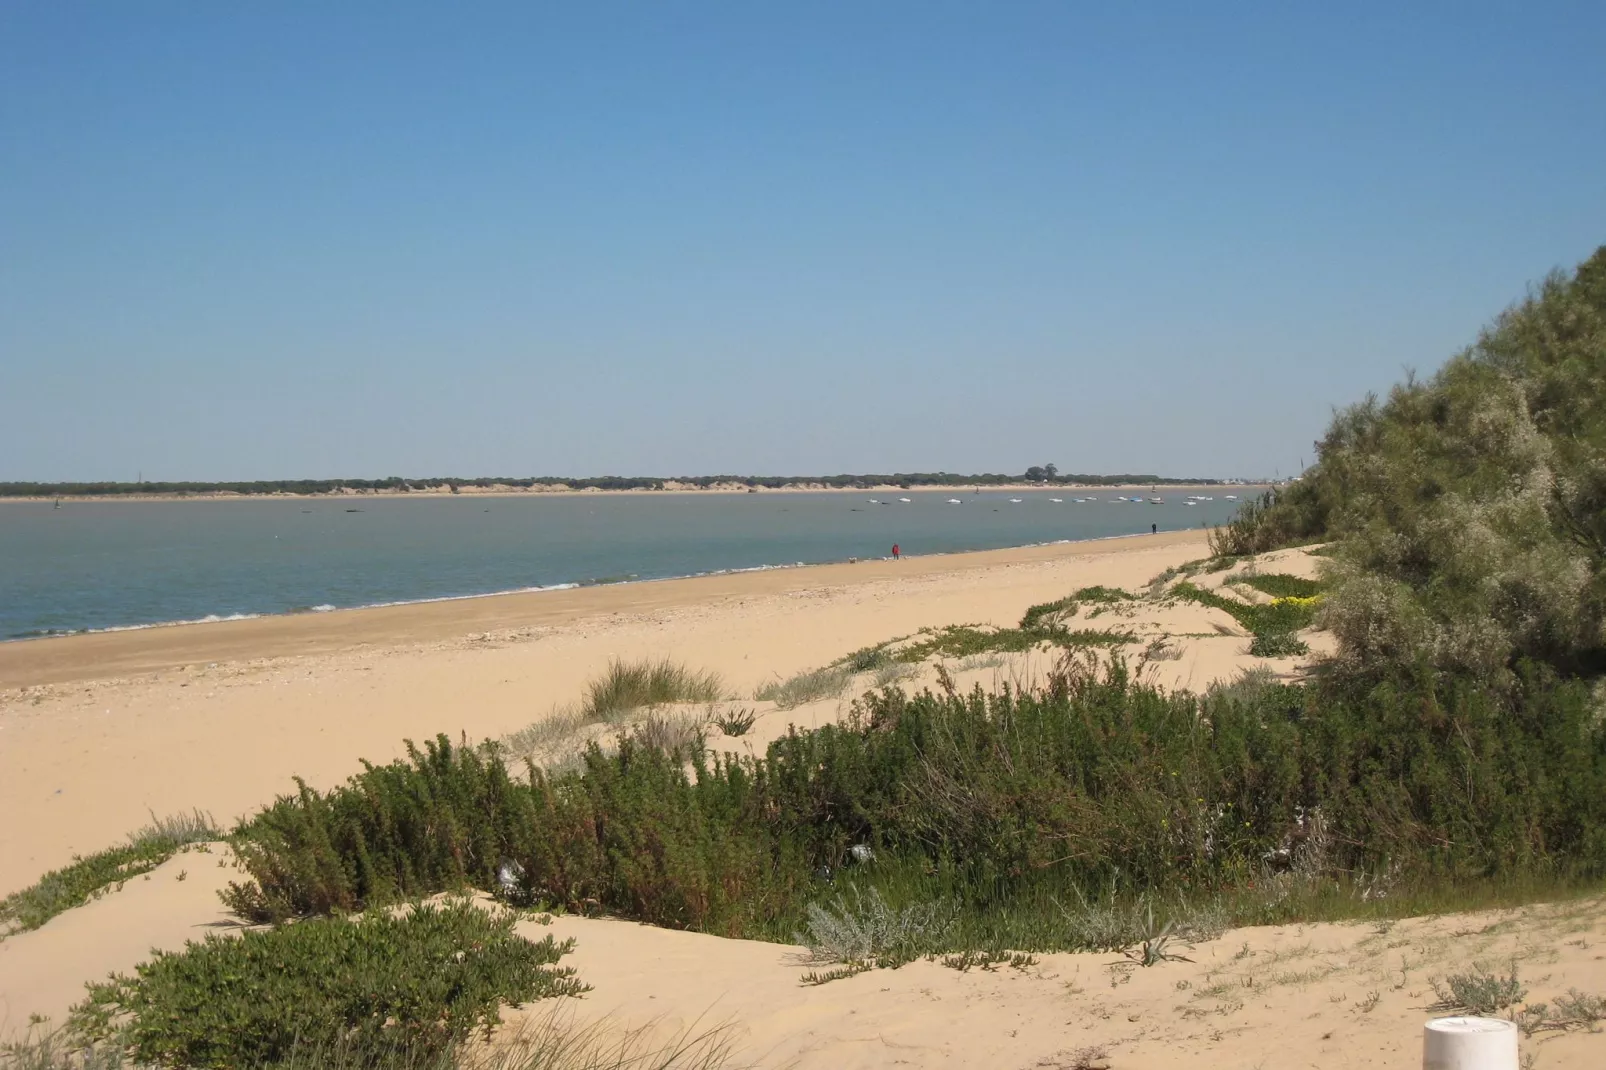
(1469, 1044)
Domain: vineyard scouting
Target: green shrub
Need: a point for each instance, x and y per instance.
(1282, 516)
(379, 990)
(1277, 645)
(1005, 805)
(1281, 585)
(1468, 508)
(736, 722)
(1478, 991)
(858, 928)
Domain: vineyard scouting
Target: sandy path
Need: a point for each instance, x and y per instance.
(85, 759)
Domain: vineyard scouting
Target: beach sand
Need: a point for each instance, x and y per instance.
(97, 732)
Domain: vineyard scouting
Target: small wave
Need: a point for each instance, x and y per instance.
(43, 633)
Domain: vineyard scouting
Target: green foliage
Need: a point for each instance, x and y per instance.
(1272, 624)
(1469, 507)
(628, 686)
(1005, 805)
(1282, 516)
(736, 722)
(1054, 614)
(858, 928)
(1478, 991)
(1281, 585)
(1277, 645)
(1156, 944)
(1573, 1011)
(988, 960)
(967, 640)
(89, 877)
(381, 989)
(867, 659)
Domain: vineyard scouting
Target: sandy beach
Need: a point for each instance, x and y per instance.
(98, 732)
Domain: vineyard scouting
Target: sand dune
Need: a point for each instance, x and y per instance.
(89, 746)
(1320, 996)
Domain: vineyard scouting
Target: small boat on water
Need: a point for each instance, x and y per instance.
(1014, 501)
(1155, 501)
(955, 501)
(1057, 499)
(905, 499)
(1230, 497)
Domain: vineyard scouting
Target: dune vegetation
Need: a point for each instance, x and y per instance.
(1451, 753)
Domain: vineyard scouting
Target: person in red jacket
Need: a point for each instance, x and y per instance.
(895, 551)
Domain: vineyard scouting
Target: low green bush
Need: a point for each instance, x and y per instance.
(90, 875)
(1277, 645)
(381, 990)
(1054, 614)
(966, 640)
(1281, 585)
(1272, 624)
(1004, 804)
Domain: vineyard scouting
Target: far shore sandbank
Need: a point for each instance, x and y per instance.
(561, 491)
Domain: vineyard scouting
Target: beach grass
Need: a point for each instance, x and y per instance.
(802, 688)
(627, 686)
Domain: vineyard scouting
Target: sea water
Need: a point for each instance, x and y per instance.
(93, 565)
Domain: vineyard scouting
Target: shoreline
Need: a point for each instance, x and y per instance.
(142, 649)
(503, 491)
(568, 586)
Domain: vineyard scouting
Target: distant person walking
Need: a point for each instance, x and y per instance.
(896, 553)
(1154, 529)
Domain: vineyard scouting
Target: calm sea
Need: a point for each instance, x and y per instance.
(96, 565)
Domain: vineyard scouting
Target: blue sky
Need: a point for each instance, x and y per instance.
(292, 240)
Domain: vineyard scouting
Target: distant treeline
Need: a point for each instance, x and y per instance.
(397, 484)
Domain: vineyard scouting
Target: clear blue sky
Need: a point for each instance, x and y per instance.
(245, 241)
